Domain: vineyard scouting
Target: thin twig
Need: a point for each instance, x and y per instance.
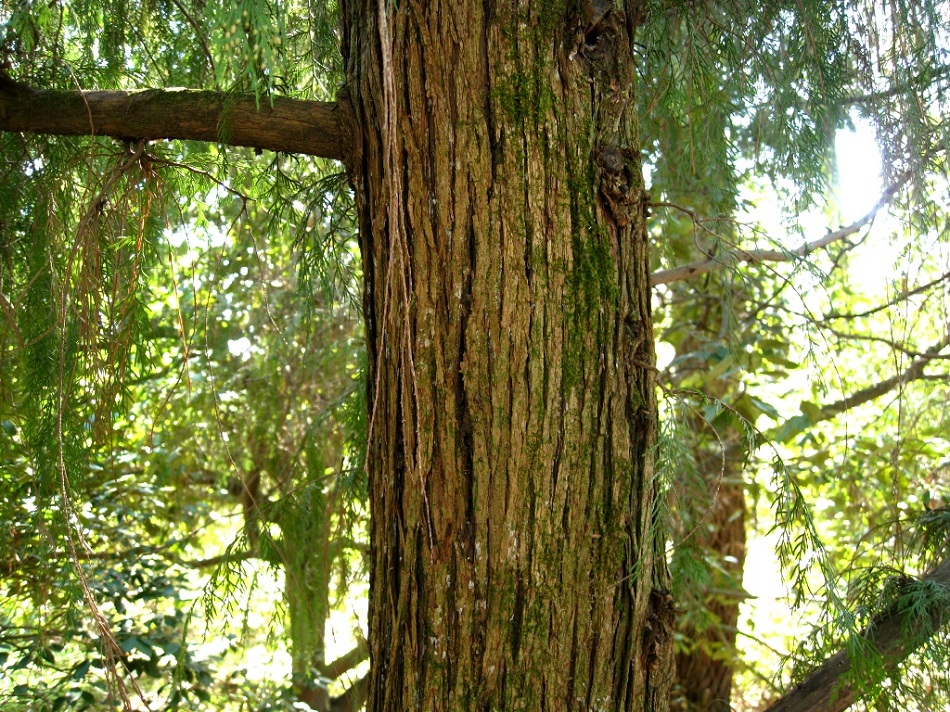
(201, 38)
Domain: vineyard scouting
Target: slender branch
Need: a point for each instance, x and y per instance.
(923, 80)
(347, 661)
(227, 557)
(338, 545)
(692, 269)
(935, 377)
(896, 300)
(832, 688)
(280, 124)
(201, 38)
(890, 343)
(913, 372)
(354, 697)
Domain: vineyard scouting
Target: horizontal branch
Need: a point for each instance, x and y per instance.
(316, 696)
(925, 79)
(693, 269)
(229, 557)
(903, 296)
(913, 372)
(347, 661)
(890, 343)
(281, 124)
(831, 687)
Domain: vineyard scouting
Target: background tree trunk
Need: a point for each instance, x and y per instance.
(515, 560)
(704, 670)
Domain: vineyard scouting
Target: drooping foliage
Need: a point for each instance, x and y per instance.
(178, 320)
(745, 105)
(200, 371)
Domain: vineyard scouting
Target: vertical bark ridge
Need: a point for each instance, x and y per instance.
(510, 462)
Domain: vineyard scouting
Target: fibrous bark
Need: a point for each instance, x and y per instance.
(515, 562)
(495, 158)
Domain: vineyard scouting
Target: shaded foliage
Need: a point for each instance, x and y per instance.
(179, 322)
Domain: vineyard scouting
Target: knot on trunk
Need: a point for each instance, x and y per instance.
(596, 24)
(616, 181)
(658, 630)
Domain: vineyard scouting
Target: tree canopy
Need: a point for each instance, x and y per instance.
(184, 401)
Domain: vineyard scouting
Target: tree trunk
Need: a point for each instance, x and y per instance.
(516, 563)
(705, 668)
(305, 553)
